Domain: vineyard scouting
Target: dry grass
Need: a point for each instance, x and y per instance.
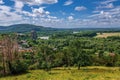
(86, 73)
(105, 35)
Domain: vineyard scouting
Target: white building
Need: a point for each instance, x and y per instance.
(75, 32)
(44, 37)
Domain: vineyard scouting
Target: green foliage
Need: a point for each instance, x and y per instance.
(18, 66)
(33, 66)
(1, 69)
(65, 49)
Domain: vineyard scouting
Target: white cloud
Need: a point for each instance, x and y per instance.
(62, 12)
(51, 17)
(1, 2)
(26, 13)
(106, 6)
(80, 8)
(46, 1)
(19, 4)
(43, 17)
(107, 2)
(37, 16)
(69, 2)
(70, 18)
(40, 12)
(109, 6)
(4, 8)
(38, 2)
(6, 16)
(108, 18)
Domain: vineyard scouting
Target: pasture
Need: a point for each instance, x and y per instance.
(85, 73)
(105, 35)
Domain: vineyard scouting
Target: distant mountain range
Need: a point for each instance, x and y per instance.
(24, 28)
(30, 27)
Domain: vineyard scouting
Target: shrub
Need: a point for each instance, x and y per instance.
(33, 67)
(18, 67)
(1, 68)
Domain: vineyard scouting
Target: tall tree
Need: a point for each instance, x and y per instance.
(9, 51)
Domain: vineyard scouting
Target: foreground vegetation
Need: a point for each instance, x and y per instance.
(86, 73)
(21, 53)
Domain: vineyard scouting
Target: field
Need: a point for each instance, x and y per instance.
(105, 35)
(86, 73)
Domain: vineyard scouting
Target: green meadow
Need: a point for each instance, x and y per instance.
(85, 73)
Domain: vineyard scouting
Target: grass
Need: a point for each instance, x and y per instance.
(86, 73)
(105, 35)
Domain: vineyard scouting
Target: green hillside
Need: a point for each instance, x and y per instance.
(23, 28)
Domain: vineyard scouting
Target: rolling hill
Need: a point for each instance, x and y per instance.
(29, 27)
(24, 28)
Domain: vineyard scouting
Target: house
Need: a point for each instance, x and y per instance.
(25, 50)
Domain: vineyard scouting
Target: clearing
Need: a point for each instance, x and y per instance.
(105, 35)
(86, 73)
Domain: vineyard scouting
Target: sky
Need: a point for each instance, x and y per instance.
(61, 13)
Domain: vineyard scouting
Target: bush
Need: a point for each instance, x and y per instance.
(46, 66)
(109, 64)
(18, 67)
(33, 67)
(117, 63)
(1, 68)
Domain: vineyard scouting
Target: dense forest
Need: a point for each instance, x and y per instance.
(20, 52)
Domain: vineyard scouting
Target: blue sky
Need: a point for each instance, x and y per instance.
(61, 13)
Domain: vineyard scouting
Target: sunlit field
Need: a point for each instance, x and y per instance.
(86, 73)
(105, 35)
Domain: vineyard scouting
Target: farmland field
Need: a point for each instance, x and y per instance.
(105, 35)
(86, 73)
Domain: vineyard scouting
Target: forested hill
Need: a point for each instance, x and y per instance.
(24, 28)
(30, 27)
